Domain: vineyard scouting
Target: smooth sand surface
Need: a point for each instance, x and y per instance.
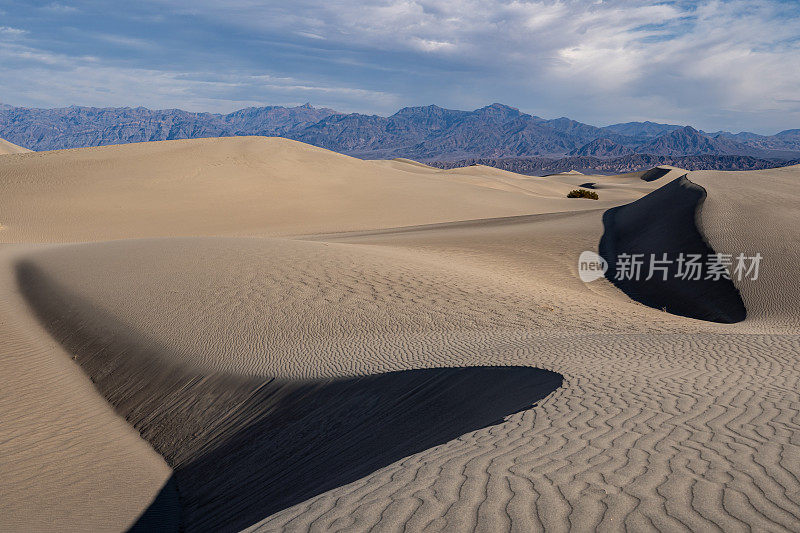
(242, 186)
(11, 148)
(263, 313)
(758, 212)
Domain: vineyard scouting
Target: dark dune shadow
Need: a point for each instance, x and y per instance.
(325, 434)
(655, 173)
(164, 514)
(243, 449)
(666, 221)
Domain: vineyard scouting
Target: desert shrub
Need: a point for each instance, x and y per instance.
(582, 193)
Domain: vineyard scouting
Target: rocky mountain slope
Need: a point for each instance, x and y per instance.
(75, 127)
(689, 141)
(602, 148)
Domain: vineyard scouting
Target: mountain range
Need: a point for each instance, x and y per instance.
(428, 133)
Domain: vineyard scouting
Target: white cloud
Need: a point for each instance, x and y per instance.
(428, 45)
(7, 32)
(128, 42)
(309, 35)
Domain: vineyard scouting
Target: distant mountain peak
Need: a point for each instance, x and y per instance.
(498, 105)
(499, 111)
(646, 129)
(425, 109)
(689, 141)
(501, 108)
(682, 141)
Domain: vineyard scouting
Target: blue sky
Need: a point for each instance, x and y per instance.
(731, 65)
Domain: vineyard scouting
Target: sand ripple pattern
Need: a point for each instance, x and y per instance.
(700, 433)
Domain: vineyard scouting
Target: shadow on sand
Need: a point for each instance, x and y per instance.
(243, 449)
(667, 221)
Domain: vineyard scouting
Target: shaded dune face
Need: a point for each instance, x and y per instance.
(655, 173)
(666, 221)
(244, 448)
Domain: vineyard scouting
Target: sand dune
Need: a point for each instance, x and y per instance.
(247, 186)
(11, 148)
(243, 447)
(305, 340)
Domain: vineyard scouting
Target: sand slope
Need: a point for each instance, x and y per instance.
(269, 296)
(757, 212)
(11, 148)
(244, 186)
(243, 447)
(67, 462)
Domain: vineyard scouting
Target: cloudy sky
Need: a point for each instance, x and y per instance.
(732, 65)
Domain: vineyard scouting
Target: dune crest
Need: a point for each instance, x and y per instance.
(263, 445)
(11, 148)
(757, 213)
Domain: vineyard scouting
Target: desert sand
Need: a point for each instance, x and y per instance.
(253, 333)
(11, 148)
